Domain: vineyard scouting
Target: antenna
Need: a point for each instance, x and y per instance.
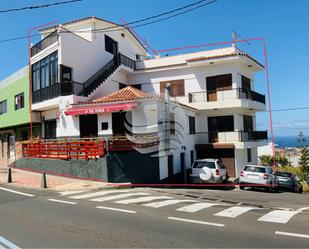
(236, 36)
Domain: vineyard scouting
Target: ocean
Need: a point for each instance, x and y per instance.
(287, 141)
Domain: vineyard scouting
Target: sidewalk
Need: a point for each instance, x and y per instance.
(32, 180)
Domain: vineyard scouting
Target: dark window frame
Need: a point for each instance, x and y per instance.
(192, 130)
(50, 129)
(2, 111)
(249, 155)
(19, 101)
(221, 123)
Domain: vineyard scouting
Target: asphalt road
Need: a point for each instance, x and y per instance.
(42, 221)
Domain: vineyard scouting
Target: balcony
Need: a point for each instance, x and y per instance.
(56, 90)
(238, 97)
(230, 137)
(47, 41)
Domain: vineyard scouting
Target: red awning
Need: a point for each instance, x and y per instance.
(82, 110)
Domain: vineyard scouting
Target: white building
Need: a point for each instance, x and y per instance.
(77, 74)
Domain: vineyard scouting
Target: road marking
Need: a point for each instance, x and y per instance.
(233, 212)
(60, 201)
(16, 192)
(72, 192)
(197, 222)
(166, 203)
(117, 209)
(5, 244)
(278, 216)
(197, 207)
(108, 198)
(299, 235)
(143, 199)
(99, 193)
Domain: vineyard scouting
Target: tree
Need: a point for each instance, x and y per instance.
(281, 160)
(304, 156)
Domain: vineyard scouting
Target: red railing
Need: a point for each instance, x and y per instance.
(65, 150)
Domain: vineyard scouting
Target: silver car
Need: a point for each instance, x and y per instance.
(208, 171)
(258, 176)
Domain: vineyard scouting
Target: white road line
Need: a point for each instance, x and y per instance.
(166, 203)
(5, 244)
(233, 212)
(72, 192)
(99, 193)
(143, 199)
(278, 216)
(16, 192)
(197, 222)
(60, 201)
(197, 207)
(108, 198)
(117, 210)
(299, 235)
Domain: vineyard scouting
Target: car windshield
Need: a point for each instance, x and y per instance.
(255, 169)
(284, 174)
(202, 164)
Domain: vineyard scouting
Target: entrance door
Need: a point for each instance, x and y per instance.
(88, 125)
(118, 123)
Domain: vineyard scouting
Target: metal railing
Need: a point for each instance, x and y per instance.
(126, 61)
(47, 41)
(56, 90)
(64, 149)
(230, 136)
(229, 94)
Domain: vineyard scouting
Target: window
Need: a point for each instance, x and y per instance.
(192, 156)
(45, 72)
(3, 107)
(50, 129)
(104, 126)
(221, 123)
(177, 87)
(109, 44)
(19, 101)
(121, 86)
(245, 83)
(248, 123)
(53, 68)
(65, 73)
(219, 82)
(170, 165)
(191, 125)
(202, 164)
(249, 155)
(2, 148)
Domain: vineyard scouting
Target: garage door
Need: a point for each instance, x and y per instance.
(227, 156)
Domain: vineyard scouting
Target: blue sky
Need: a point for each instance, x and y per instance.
(284, 23)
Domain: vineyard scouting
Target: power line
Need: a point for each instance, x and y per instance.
(39, 6)
(112, 29)
(290, 109)
(122, 27)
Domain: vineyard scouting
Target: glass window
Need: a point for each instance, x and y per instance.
(3, 107)
(202, 164)
(221, 165)
(19, 101)
(54, 68)
(191, 125)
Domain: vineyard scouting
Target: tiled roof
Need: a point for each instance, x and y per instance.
(89, 18)
(126, 94)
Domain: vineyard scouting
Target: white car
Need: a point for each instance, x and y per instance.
(208, 171)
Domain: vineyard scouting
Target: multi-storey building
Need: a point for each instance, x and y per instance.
(88, 79)
(15, 114)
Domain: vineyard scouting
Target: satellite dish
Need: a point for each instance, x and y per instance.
(205, 174)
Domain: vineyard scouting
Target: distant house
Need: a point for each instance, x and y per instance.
(89, 84)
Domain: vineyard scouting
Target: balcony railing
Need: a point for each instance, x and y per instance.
(47, 41)
(223, 95)
(56, 90)
(230, 136)
(126, 61)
